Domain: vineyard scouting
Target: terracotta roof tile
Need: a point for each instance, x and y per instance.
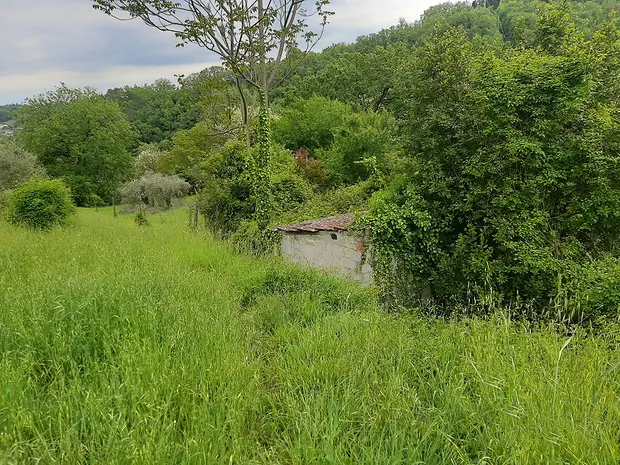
(332, 223)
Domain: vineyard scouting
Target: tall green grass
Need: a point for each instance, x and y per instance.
(121, 344)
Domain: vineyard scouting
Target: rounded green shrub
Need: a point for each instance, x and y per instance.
(40, 204)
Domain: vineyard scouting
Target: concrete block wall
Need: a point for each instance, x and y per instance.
(339, 251)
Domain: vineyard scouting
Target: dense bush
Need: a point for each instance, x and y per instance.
(339, 138)
(361, 137)
(249, 238)
(39, 204)
(16, 165)
(225, 199)
(289, 190)
(513, 185)
(309, 124)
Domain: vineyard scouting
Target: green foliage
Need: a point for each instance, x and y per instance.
(155, 190)
(518, 18)
(7, 113)
(362, 137)
(104, 326)
(597, 286)
(16, 165)
(260, 167)
(141, 220)
(335, 296)
(225, 199)
(39, 204)
(212, 94)
(289, 191)
(228, 192)
(190, 148)
(362, 80)
(80, 136)
(251, 239)
(157, 110)
(340, 138)
(309, 124)
(514, 182)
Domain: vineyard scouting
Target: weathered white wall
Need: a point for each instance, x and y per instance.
(329, 250)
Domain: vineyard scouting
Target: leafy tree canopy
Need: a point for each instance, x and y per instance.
(157, 110)
(80, 136)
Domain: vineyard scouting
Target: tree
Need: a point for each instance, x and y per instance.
(189, 149)
(363, 80)
(7, 113)
(157, 110)
(513, 182)
(80, 136)
(16, 165)
(250, 36)
(212, 94)
(155, 190)
(343, 140)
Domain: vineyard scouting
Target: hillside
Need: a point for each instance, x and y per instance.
(121, 344)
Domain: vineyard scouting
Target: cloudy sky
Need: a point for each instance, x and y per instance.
(46, 42)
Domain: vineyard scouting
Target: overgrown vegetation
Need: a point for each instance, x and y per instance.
(482, 144)
(39, 204)
(512, 188)
(79, 136)
(161, 345)
(483, 139)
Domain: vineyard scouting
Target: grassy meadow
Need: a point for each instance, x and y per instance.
(121, 344)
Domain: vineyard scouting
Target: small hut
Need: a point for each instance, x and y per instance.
(328, 244)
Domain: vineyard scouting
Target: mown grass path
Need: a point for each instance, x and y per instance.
(156, 345)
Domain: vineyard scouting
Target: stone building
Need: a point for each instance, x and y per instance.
(328, 244)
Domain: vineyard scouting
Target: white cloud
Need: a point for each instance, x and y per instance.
(369, 16)
(116, 76)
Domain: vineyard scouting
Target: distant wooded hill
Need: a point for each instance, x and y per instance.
(7, 113)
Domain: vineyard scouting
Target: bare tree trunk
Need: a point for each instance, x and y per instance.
(245, 117)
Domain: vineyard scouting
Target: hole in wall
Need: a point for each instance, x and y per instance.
(334, 236)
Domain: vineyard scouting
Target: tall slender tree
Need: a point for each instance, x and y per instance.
(251, 37)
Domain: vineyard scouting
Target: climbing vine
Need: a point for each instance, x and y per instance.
(405, 248)
(260, 167)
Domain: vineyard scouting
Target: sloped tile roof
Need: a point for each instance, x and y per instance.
(332, 223)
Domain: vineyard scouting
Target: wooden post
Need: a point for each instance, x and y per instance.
(195, 225)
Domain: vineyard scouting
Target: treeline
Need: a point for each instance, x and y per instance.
(7, 113)
(483, 140)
